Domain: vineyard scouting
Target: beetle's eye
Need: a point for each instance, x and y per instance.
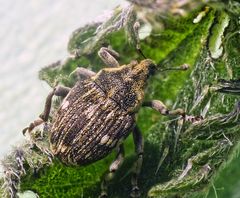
(152, 69)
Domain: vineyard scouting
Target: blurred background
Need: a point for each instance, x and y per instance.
(34, 34)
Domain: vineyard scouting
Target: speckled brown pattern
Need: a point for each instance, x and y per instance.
(99, 113)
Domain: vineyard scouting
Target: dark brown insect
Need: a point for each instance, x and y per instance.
(98, 113)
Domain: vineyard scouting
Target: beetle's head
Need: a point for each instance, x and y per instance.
(148, 68)
(141, 71)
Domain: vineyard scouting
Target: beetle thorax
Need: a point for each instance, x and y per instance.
(125, 85)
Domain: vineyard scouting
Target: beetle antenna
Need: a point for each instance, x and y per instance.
(183, 67)
(141, 53)
(136, 27)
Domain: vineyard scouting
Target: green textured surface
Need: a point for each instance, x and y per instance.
(180, 42)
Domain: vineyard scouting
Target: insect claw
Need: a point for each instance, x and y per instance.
(28, 129)
(103, 195)
(32, 125)
(25, 130)
(135, 192)
(185, 66)
(193, 119)
(186, 170)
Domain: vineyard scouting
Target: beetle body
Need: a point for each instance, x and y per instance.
(99, 113)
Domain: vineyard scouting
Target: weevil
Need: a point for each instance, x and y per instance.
(98, 113)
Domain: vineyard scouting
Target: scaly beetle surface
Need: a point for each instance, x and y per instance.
(98, 113)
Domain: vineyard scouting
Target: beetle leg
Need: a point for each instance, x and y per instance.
(108, 56)
(112, 169)
(139, 144)
(43, 117)
(82, 73)
(160, 107)
(57, 91)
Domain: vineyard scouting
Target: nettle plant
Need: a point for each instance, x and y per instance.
(182, 154)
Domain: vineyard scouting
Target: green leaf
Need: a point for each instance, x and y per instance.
(170, 144)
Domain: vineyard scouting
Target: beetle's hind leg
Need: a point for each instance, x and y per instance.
(58, 91)
(108, 56)
(139, 144)
(43, 117)
(112, 169)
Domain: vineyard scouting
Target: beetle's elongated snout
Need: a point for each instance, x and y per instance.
(146, 66)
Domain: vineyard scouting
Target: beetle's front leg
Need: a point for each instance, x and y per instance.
(82, 73)
(43, 117)
(112, 169)
(139, 144)
(108, 56)
(160, 107)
